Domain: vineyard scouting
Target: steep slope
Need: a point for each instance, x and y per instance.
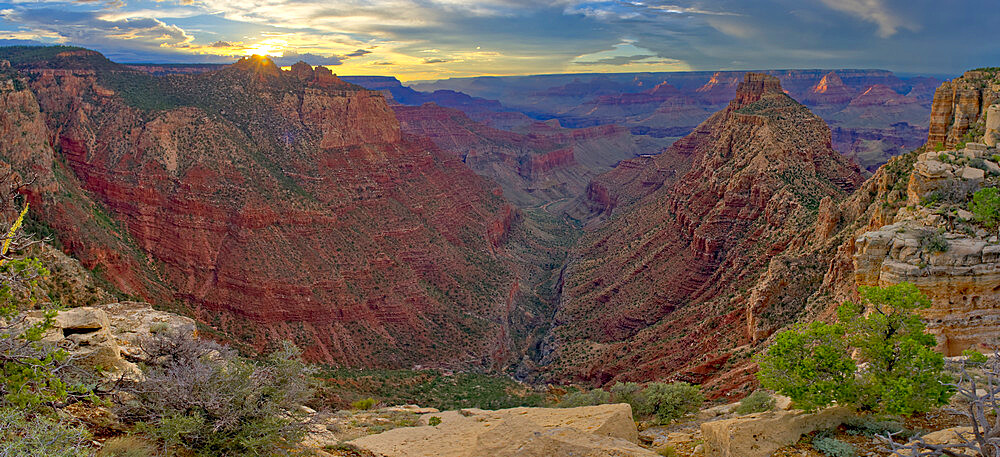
(274, 205)
(662, 288)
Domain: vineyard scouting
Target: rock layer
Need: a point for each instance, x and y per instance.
(961, 105)
(960, 277)
(656, 290)
(271, 205)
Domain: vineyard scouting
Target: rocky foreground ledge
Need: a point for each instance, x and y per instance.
(604, 430)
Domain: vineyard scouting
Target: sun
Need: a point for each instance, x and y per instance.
(274, 47)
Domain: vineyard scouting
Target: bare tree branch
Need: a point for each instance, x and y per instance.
(981, 393)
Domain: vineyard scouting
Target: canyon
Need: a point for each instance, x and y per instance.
(874, 114)
(560, 228)
(268, 205)
(701, 261)
(662, 288)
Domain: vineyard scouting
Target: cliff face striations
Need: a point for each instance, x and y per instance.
(935, 244)
(662, 288)
(960, 107)
(270, 205)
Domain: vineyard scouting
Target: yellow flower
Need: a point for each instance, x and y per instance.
(12, 232)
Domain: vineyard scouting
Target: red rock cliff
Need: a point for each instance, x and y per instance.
(662, 289)
(273, 205)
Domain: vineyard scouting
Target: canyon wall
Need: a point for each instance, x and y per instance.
(662, 288)
(269, 205)
(960, 106)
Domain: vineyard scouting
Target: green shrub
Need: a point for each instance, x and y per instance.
(127, 446)
(903, 375)
(833, 447)
(876, 426)
(434, 421)
(667, 451)
(934, 241)
(27, 435)
(669, 402)
(628, 392)
(33, 373)
(757, 402)
(364, 404)
(203, 398)
(931, 199)
(811, 364)
(157, 327)
(985, 206)
(974, 356)
(585, 398)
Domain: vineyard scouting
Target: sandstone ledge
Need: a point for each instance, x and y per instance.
(605, 430)
(759, 435)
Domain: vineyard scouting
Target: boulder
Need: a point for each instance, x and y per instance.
(604, 430)
(132, 322)
(759, 435)
(992, 134)
(107, 337)
(973, 173)
(953, 435)
(86, 334)
(716, 411)
(782, 402)
(933, 169)
(992, 166)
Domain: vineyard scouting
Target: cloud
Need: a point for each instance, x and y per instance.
(617, 60)
(291, 57)
(90, 29)
(358, 53)
(676, 9)
(875, 11)
(733, 28)
(468, 37)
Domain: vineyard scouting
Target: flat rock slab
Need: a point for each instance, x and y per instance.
(589, 431)
(759, 435)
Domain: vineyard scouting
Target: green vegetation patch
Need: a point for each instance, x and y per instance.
(428, 388)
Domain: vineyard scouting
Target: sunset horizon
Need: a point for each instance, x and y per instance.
(454, 38)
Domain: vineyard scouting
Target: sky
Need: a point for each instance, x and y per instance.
(436, 39)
